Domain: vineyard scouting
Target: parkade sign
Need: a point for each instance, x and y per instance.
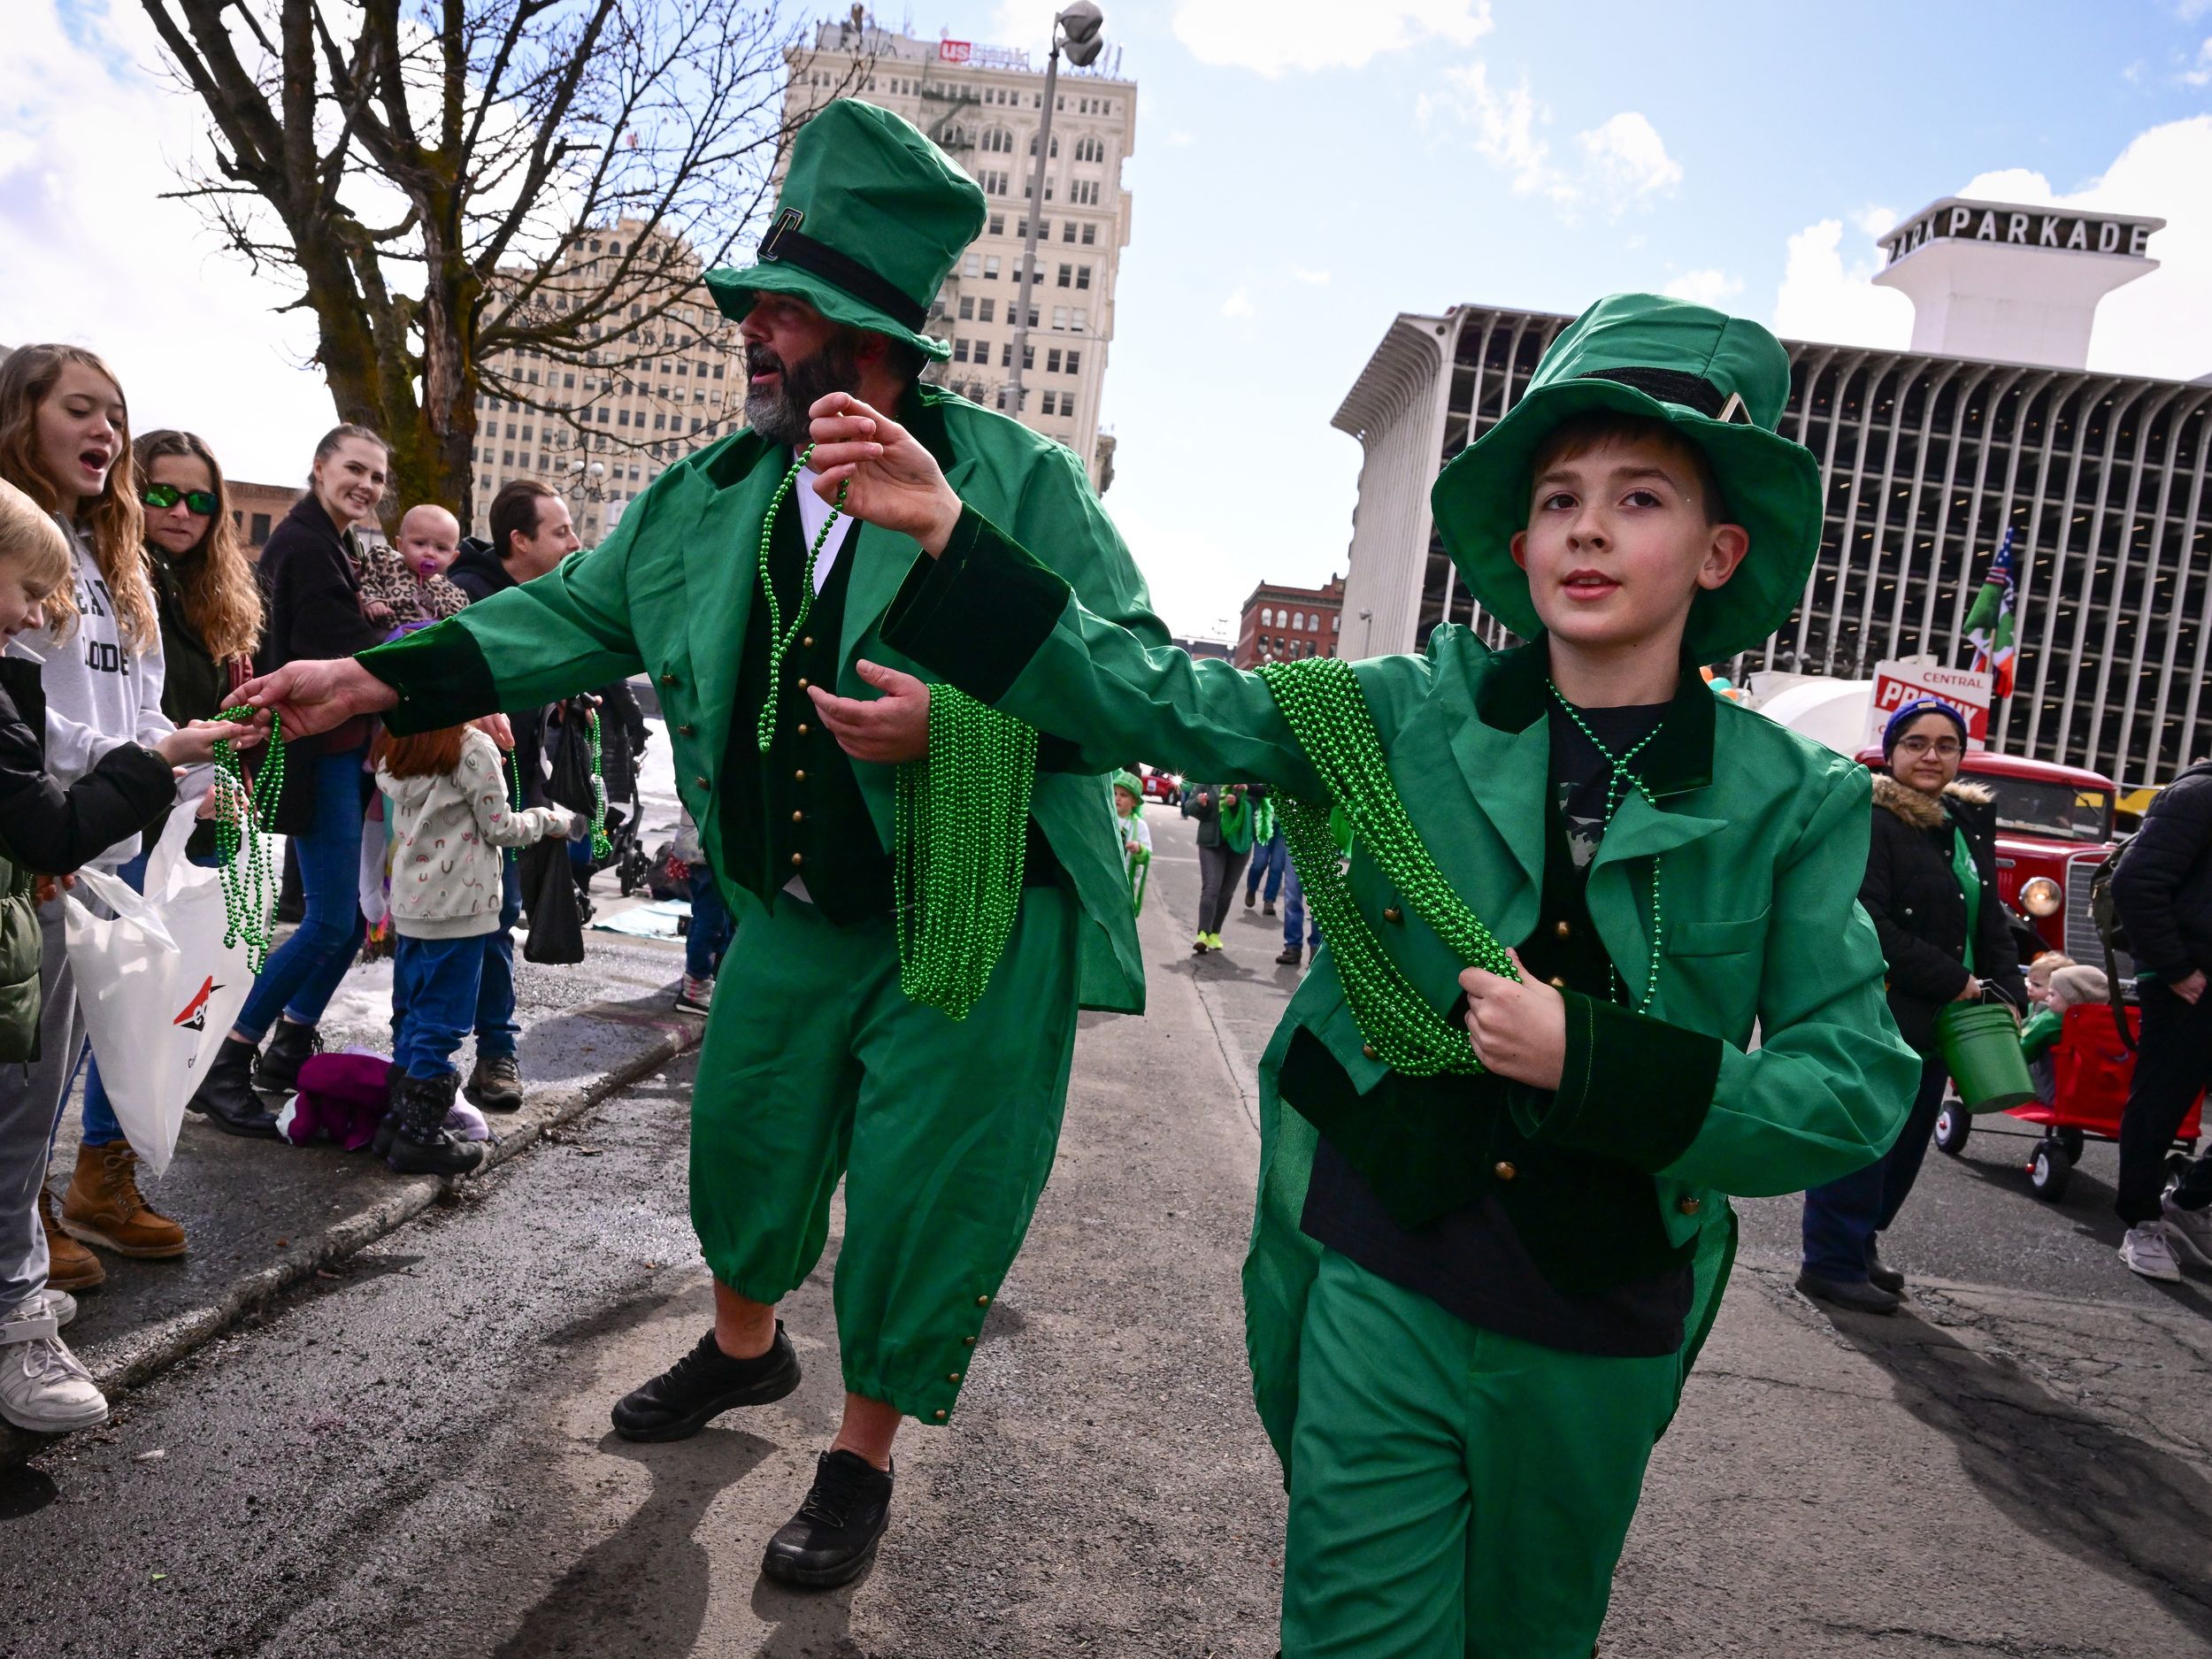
(2014, 225)
(1909, 678)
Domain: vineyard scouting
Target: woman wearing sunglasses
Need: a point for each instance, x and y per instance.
(209, 610)
(1931, 888)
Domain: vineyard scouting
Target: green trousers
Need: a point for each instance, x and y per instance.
(1455, 1494)
(816, 1066)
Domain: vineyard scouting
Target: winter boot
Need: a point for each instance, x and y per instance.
(289, 1047)
(495, 1085)
(69, 1265)
(104, 1207)
(420, 1145)
(389, 1126)
(226, 1096)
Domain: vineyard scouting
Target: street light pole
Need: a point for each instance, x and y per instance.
(1077, 29)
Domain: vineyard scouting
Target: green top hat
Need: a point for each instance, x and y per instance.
(871, 217)
(1718, 381)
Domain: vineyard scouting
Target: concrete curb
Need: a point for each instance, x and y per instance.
(138, 1358)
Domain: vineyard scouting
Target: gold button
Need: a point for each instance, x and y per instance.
(1690, 1206)
(684, 729)
(982, 1301)
(799, 776)
(1558, 984)
(802, 728)
(797, 859)
(952, 1376)
(798, 818)
(1368, 1049)
(702, 782)
(801, 685)
(1503, 1171)
(967, 1341)
(1562, 930)
(1394, 914)
(808, 641)
(668, 680)
(939, 1414)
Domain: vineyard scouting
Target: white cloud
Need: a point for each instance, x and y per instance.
(2202, 74)
(89, 255)
(1712, 287)
(1876, 221)
(1626, 162)
(1312, 278)
(1311, 34)
(1240, 305)
(2157, 325)
(1822, 298)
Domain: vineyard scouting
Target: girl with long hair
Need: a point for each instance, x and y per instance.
(311, 581)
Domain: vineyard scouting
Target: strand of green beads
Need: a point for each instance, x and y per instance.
(243, 829)
(960, 821)
(1616, 787)
(600, 845)
(514, 796)
(779, 638)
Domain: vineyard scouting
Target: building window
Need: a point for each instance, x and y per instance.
(1090, 236)
(1066, 274)
(972, 266)
(1090, 149)
(998, 140)
(1082, 276)
(1083, 192)
(998, 225)
(1267, 617)
(1075, 363)
(1067, 230)
(260, 529)
(990, 269)
(1056, 146)
(1052, 404)
(1060, 317)
(967, 308)
(984, 312)
(1082, 319)
(1052, 362)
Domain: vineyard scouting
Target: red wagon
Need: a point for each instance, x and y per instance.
(2087, 1083)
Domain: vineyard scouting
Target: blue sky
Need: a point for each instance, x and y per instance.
(1296, 188)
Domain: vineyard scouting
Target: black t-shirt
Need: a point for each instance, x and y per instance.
(1471, 1262)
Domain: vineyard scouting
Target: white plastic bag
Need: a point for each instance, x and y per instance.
(159, 990)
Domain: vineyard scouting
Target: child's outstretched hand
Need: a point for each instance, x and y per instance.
(1519, 1030)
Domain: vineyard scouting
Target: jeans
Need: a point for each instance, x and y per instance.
(1218, 869)
(1842, 1218)
(496, 1029)
(2173, 1062)
(439, 980)
(1294, 911)
(710, 935)
(1269, 862)
(302, 973)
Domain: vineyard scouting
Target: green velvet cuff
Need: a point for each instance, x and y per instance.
(978, 611)
(440, 675)
(1633, 1088)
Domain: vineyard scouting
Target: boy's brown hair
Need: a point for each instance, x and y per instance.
(424, 755)
(30, 540)
(1595, 428)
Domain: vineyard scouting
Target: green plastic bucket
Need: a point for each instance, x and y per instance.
(1981, 1047)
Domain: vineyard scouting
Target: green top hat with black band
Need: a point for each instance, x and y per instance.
(1721, 382)
(871, 217)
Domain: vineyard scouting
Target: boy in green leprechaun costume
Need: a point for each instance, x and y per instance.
(1504, 1111)
(917, 927)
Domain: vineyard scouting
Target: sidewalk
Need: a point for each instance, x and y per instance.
(263, 1214)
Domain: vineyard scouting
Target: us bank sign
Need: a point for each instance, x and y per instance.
(2009, 223)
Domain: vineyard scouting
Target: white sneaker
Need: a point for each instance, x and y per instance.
(63, 1305)
(696, 997)
(2145, 1251)
(43, 1387)
(2190, 1233)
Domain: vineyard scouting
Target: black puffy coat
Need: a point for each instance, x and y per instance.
(1912, 893)
(312, 605)
(2163, 886)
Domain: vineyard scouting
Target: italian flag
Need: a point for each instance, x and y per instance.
(1989, 623)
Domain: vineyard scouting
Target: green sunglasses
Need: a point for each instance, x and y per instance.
(161, 497)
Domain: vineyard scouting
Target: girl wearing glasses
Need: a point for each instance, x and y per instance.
(1930, 889)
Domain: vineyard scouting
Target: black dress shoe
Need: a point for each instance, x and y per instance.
(1881, 1277)
(702, 1385)
(1860, 1297)
(226, 1096)
(834, 1537)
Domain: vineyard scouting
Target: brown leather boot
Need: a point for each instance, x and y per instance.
(104, 1207)
(69, 1265)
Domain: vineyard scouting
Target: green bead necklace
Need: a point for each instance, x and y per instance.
(514, 796)
(780, 638)
(600, 846)
(1617, 787)
(960, 832)
(1327, 713)
(244, 841)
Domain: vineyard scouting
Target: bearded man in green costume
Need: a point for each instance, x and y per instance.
(741, 591)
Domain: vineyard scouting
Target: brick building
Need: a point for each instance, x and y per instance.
(256, 508)
(1281, 623)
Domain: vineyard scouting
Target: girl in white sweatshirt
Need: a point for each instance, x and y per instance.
(450, 817)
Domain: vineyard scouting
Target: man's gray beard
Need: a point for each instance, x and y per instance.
(780, 417)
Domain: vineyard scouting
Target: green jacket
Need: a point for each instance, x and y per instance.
(1769, 1062)
(669, 593)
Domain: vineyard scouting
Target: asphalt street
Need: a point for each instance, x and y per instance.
(409, 1453)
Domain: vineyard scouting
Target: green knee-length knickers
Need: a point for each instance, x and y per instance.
(816, 1065)
(1455, 1494)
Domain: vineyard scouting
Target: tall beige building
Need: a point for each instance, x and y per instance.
(982, 104)
(660, 388)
